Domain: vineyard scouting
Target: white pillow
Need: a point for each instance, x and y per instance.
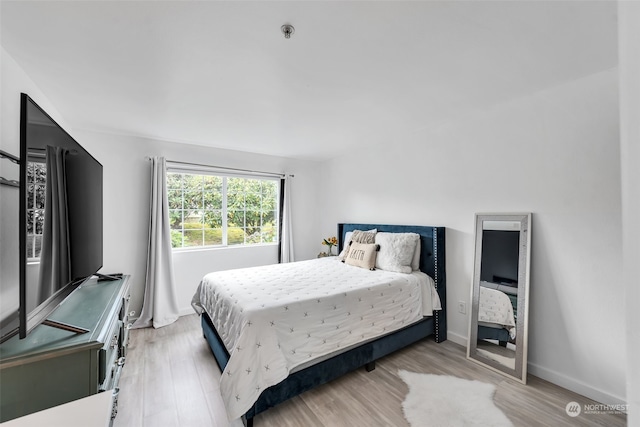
(415, 263)
(396, 251)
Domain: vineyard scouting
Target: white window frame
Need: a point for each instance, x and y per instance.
(199, 170)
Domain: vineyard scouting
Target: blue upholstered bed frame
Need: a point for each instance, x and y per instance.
(432, 262)
(487, 333)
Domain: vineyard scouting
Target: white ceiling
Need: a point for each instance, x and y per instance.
(354, 73)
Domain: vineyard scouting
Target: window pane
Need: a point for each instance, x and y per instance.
(268, 218)
(192, 182)
(235, 236)
(269, 234)
(31, 168)
(193, 219)
(235, 218)
(175, 219)
(213, 236)
(253, 236)
(212, 200)
(269, 188)
(193, 199)
(253, 201)
(174, 181)
(236, 185)
(213, 219)
(36, 173)
(176, 238)
(235, 200)
(30, 222)
(192, 238)
(270, 203)
(38, 216)
(37, 246)
(175, 199)
(30, 246)
(39, 196)
(250, 231)
(30, 196)
(212, 183)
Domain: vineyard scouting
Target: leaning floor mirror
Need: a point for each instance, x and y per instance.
(500, 293)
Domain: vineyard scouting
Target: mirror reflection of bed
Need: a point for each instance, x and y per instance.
(497, 340)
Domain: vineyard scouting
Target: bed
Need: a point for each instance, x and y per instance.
(496, 315)
(265, 384)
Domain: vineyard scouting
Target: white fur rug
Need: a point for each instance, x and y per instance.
(444, 401)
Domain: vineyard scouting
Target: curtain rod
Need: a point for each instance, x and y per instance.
(223, 168)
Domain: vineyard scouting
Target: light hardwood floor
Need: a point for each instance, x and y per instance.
(171, 379)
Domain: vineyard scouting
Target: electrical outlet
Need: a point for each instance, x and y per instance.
(462, 307)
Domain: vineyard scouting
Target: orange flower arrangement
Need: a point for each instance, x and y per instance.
(331, 242)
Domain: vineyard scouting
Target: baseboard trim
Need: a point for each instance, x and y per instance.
(457, 338)
(557, 378)
(185, 311)
(574, 385)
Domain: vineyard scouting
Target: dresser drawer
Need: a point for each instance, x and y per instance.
(113, 377)
(108, 355)
(125, 316)
(124, 308)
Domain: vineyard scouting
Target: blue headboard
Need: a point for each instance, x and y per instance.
(432, 260)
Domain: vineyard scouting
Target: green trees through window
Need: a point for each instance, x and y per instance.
(210, 210)
(36, 181)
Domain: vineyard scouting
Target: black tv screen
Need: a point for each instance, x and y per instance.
(500, 256)
(60, 215)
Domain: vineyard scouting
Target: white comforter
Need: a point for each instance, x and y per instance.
(277, 317)
(494, 308)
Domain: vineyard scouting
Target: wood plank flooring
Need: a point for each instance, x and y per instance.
(171, 379)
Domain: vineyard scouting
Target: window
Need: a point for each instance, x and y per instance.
(215, 210)
(36, 180)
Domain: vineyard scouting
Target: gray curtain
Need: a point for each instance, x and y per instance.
(286, 236)
(55, 261)
(160, 307)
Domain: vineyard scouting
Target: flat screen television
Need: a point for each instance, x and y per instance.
(60, 217)
(500, 252)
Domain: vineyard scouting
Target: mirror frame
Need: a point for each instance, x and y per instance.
(524, 260)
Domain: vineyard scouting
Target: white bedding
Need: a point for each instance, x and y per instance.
(495, 310)
(277, 317)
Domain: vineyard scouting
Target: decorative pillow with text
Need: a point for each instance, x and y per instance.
(362, 255)
(359, 236)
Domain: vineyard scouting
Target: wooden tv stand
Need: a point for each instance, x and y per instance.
(53, 366)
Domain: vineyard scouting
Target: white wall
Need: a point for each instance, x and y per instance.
(126, 209)
(629, 45)
(555, 154)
